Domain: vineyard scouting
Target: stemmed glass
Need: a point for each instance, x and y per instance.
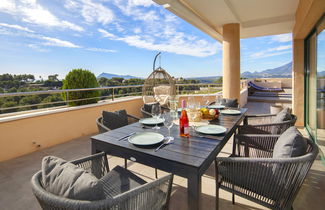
(205, 100)
(169, 121)
(156, 112)
(218, 99)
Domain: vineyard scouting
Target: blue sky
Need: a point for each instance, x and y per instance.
(45, 37)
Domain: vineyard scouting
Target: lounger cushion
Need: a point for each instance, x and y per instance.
(113, 120)
(120, 180)
(290, 144)
(67, 180)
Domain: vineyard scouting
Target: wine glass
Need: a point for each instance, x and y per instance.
(218, 99)
(156, 112)
(205, 100)
(169, 122)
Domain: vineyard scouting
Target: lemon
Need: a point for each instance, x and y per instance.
(205, 111)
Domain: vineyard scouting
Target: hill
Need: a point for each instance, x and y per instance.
(284, 71)
(210, 79)
(110, 76)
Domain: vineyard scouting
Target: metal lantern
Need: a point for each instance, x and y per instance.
(159, 86)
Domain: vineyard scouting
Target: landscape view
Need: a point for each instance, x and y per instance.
(117, 46)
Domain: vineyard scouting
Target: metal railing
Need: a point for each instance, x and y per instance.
(105, 93)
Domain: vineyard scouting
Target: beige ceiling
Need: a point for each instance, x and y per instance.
(256, 17)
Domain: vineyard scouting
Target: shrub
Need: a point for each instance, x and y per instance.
(80, 78)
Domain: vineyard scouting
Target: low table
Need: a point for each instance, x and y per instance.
(186, 157)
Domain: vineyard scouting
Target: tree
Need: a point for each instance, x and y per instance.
(219, 80)
(53, 77)
(80, 78)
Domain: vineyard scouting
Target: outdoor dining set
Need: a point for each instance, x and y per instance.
(269, 162)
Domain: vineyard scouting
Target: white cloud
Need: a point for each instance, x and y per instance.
(284, 49)
(16, 27)
(8, 6)
(282, 38)
(90, 11)
(58, 42)
(106, 33)
(177, 45)
(32, 12)
(101, 50)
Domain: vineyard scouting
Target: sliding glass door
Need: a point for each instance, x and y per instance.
(315, 85)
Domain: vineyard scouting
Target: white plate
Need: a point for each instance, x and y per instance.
(151, 121)
(211, 129)
(146, 138)
(216, 107)
(230, 111)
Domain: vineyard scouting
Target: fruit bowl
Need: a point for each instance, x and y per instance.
(209, 114)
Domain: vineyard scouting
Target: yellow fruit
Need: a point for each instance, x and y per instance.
(205, 111)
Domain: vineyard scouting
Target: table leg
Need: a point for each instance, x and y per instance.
(194, 192)
(93, 149)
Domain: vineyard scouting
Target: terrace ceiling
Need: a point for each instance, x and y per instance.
(256, 17)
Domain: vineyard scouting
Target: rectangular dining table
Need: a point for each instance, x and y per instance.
(185, 157)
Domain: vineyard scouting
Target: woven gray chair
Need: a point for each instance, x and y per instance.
(252, 173)
(153, 195)
(102, 128)
(263, 124)
(146, 110)
(231, 103)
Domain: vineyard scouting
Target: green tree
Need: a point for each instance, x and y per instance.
(219, 80)
(28, 100)
(80, 78)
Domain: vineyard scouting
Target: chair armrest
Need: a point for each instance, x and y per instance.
(254, 145)
(101, 127)
(132, 119)
(153, 195)
(145, 113)
(96, 164)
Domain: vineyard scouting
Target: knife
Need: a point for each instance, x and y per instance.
(126, 136)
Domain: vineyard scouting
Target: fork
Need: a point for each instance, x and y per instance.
(169, 141)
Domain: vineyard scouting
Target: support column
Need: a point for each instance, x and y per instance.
(298, 83)
(231, 61)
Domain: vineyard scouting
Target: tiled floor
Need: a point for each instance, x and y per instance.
(16, 194)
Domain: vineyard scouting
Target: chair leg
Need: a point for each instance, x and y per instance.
(233, 195)
(125, 163)
(156, 173)
(217, 185)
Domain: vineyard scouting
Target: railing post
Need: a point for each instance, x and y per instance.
(209, 89)
(112, 94)
(67, 93)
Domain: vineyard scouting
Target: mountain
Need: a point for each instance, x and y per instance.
(284, 71)
(205, 79)
(110, 76)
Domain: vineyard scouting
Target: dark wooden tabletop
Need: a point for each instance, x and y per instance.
(193, 151)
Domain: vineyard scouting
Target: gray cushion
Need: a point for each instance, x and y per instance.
(120, 180)
(113, 120)
(67, 180)
(282, 116)
(290, 144)
(148, 107)
(229, 102)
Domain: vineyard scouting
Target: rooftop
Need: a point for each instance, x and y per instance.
(15, 174)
